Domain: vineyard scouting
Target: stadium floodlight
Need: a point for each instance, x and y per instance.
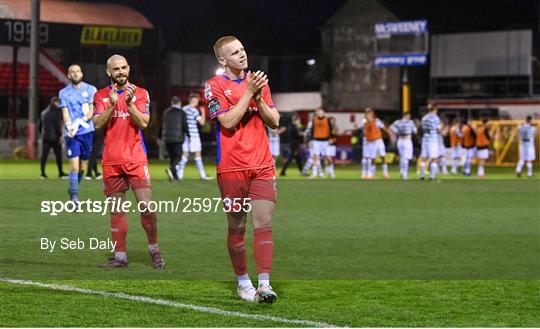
(220, 71)
(311, 61)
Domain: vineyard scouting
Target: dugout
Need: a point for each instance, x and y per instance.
(69, 32)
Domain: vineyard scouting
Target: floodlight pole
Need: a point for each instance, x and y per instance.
(33, 99)
(405, 91)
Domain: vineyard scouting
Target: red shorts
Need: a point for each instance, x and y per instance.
(120, 177)
(255, 184)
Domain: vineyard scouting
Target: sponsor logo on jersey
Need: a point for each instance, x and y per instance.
(120, 114)
(228, 92)
(207, 91)
(213, 105)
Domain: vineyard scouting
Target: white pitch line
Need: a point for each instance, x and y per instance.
(144, 299)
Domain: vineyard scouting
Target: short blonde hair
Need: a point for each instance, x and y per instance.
(222, 42)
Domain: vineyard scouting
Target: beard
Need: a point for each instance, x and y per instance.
(75, 81)
(120, 81)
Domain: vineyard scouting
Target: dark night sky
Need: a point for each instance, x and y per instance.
(288, 27)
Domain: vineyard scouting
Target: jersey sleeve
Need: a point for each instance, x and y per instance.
(196, 114)
(267, 96)
(393, 127)
(63, 100)
(92, 92)
(362, 126)
(99, 106)
(217, 103)
(309, 128)
(142, 103)
(380, 124)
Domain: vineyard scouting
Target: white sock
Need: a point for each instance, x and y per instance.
(153, 247)
(468, 165)
(422, 169)
(385, 169)
(264, 279)
(368, 167)
(316, 168)
(330, 169)
(307, 165)
(480, 170)
(454, 166)
(244, 281)
(441, 162)
(372, 168)
(433, 169)
(121, 255)
(364, 167)
(200, 166)
(181, 166)
(404, 167)
(529, 169)
(519, 166)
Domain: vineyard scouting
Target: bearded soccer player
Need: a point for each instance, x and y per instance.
(77, 109)
(241, 103)
(122, 109)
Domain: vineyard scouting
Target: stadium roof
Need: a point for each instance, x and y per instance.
(77, 13)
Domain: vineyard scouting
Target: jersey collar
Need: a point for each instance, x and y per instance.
(119, 91)
(238, 81)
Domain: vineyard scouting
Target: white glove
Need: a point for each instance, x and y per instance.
(72, 128)
(82, 123)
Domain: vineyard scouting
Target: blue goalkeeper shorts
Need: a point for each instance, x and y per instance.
(79, 146)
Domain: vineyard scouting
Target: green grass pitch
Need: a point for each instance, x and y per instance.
(458, 252)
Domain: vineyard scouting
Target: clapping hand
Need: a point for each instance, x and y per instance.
(130, 92)
(113, 94)
(255, 82)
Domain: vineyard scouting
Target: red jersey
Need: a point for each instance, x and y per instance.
(245, 147)
(123, 141)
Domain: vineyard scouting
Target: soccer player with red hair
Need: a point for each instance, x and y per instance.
(241, 103)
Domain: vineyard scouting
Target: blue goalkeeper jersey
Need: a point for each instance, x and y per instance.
(78, 101)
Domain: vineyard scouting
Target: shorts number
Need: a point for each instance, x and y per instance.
(146, 172)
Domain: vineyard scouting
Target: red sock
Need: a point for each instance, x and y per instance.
(149, 223)
(119, 227)
(263, 249)
(237, 250)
